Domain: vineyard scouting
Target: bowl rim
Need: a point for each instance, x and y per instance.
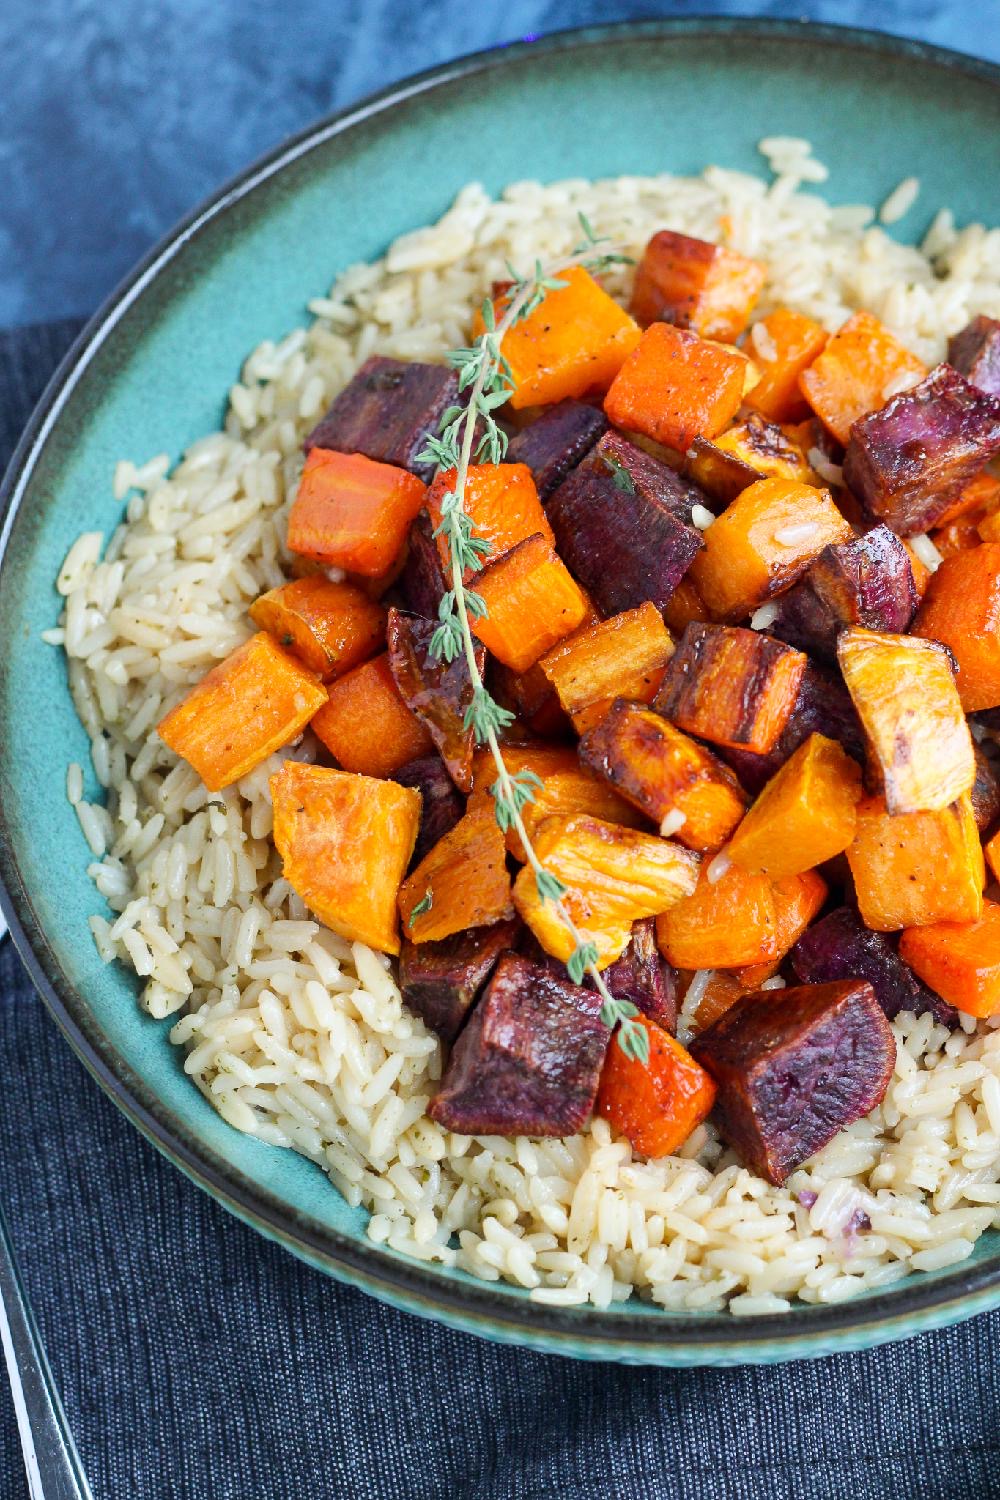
(641, 1337)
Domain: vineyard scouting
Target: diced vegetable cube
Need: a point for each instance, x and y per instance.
(353, 512)
(440, 981)
(979, 499)
(531, 601)
(672, 779)
(794, 1068)
(960, 960)
(962, 609)
(345, 842)
(975, 353)
(766, 449)
(542, 760)
(904, 691)
(556, 441)
(696, 285)
(437, 691)
(913, 869)
(734, 919)
(504, 506)
(840, 946)
(330, 627)
(644, 978)
(366, 725)
(463, 882)
(622, 657)
(804, 816)
(823, 706)
(675, 387)
(567, 794)
(858, 371)
(423, 581)
(442, 807)
(720, 474)
(251, 704)
(632, 468)
(657, 1104)
(387, 412)
(731, 686)
(787, 344)
(866, 581)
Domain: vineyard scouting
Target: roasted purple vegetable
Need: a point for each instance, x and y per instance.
(868, 581)
(439, 692)
(387, 412)
(975, 353)
(642, 976)
(795, 1066)
(529, 1059)
(823, 706)
(654, 481)
(442, 805)
(907, 461)
(556, 442)
(422, 582)
(985, 793)
(440, 981)
(840, 946)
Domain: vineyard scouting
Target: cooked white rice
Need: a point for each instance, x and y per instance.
(300, 1038)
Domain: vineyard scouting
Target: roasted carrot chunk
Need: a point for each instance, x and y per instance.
(904, 691)
(731, 686)
(804, 815)
(696, 285)
(862, 367)
(462, 883)
(366, 725)
(330, 627)
(675, 387)
(786, 344)
(624, 657)
(503, 503)
(531, 698)
(531, 600)
(252, 703)
(345, 842)
(962, 609)
(353, 512)
(764, 541)
(655, 1105)
(960, 960)
(727, 923)
(612, 877)
(720, 474)
(572, 343)
(916, 868)
(672, 779)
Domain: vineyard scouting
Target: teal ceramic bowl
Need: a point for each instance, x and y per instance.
(150, 374)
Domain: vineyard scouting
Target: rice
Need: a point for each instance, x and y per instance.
(301, 1039)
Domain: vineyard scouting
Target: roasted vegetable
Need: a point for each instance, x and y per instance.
(840, 946)
(762, 542)
(438, 691)
(685, 607)
(733, 919)
(860, 369)
(633, 469)
(624, 657)
(904, 691)
(531, 601)
(529, 1059)
(542, 760)
(975, 353)
(794, 1068)
(867, 581)
(387, 412)
(463, 882)
(345, 842)
(675, 387)
(531, 698)
(556, 442)
(979, 500)
(764, 447)
(612, 876)
(962, 609)
(823, 706)
(719, 474)
(804, 816)
(916, 868)
(503, 503)
(352, 512)
(731, 686)
(960, 960)
(696, 285)
(442, 807)
(672, 779)
(907, 461)
(566, 794)
(784, 344)
(985, 793)
(440, 981)
(643, 977)
(657, 1104)
(366, 725)
(423, 581)
(330, 627)
(252, 703)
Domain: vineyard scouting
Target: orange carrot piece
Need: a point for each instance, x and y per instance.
(464, 876)
(788, 346)
(251, 704)
(532, 601)
(345, 842)
(915, 869)
(331, 627)
(804, 815)
(962, 609)
(695, 284)
(621, 657)
(734, 687)
(725, 924)
(860, 369)
(503, 503)
(657, 1104)
(365, 724)
(353, 512)
(675, 387)
(960, 960)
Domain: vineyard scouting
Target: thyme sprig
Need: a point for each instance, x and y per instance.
(486, 376)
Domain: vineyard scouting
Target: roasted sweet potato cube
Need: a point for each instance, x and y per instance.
(556, 441)
(696, 285)
(804, 816)
(352, 512)
(568, 794)
(729, 921)
(975, 353)
(463, 882)
(672, 779)
(860, 369)
(784, 344)
(731, 686)
(904, 691)
(766, 449)
(528, 1062)
(330, 627)
(655, 1104)
(675, 387)
(252, 703)
(387, 412)
(797, 901)
(960, 960)
(979, 499)
(867, 581)
(366, 725)
(442, 806)
(840, 946)
(622, 657)
(633, 469)
(913, 869)
(823, 706)
(531, 601)
(612, 876)
(720, 474)
(345, 842)
(685, 607)
(542, 760)
(423, 581)
(962, 609)
(503, 503)
(762, 542)
(440, 981)
(644, 978)
(437, 691)
(794, 1068)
